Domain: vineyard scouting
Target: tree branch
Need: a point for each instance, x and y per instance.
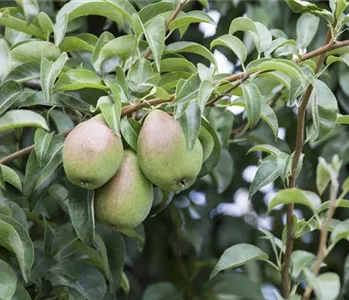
(322, 251)
(175, 13)
(295, 163)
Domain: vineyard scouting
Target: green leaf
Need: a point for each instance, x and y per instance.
(264, 36)
(104, 39)
(166, 200)
(11, 177)
(79, 79)
(323, 175)
(154, 32)
(81, 211)
(232, 43)
(15, 238)
(111, 113)
(224, 171)
(205, 91)
(191, 47)
(269, 116)
(190, 123)
(307, 26)
(152, 10)
(21, 118)
(194, 16)
(74, 43)
(344, 58)
(246, 24)
(111, 9)
(4, 58)
(25, 72)
(30, 9)
(177, 64)
(267, 173)
(49, 73)
(33, 51)
(159, 291)
(45, 24)
(8, 281)
(298, 196)
(233, 286)
(122, 47)
(138, 74)
(265, 148)
(130, 129)
(116, 254)
(301, 260)
(326, 286)
(237, 256)
(324, 109)
(9, 93)
(341, 231)
(42, 141)
(343, 119)
(212, 159)
(189, 91)
(253, 101)
(21, 293)
(301, 6)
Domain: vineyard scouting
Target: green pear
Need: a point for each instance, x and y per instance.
(163, 155)
(92, 153)
(206, 141)
(126, 200)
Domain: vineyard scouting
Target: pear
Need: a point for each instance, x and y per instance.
(207, 142)
(92, 153)
(163, 155)
(126, 200)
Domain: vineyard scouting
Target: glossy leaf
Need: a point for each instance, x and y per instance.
(49, 73)
(307, 26)
(130, 129)
(21, 118)
(111, 112)
(237, 256)
(267, 173)
(155, 34)
(42, 143)
(298, 196)
(16, 239)
(323, 175)
(232, 43)
(190, 123)
(265, 148)
(11, 177)
(81, 211)
(30, 9)
(79, 79)
(191, 47)
(138, 74)
(253, 101)
(21, 293)
(301, 260)
(324, 109)
(194, 16)
(341, 231)
(8, 281)
(9, 93)
(246, 24)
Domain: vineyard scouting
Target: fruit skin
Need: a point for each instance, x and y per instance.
(206, 141)
(126, 200)
(163, 155)
(92, 153)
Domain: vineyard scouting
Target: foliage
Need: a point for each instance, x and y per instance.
(61, 62)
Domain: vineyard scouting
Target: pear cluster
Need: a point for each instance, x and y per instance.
(94, 158)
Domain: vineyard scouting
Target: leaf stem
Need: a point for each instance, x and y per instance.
(286, 283)
(175, 13)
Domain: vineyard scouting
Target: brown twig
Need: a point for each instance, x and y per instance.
(226, 92)
(295, 163)
(175, 13)
(322, 251)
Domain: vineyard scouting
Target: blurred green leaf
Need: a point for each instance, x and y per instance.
(138, 74)
(30, 9)
(301, 260)
(341, 231)
(237, 256)
(111, 112)
(8, 281)
(326, 286)
(42, 143)
(323, 175)
(190, 123)
(161, 290)
(224, 171)
(11, 177)
(301, 6)
(253, 101)
(45, 24)
(246, 24)
(130, 129)
(194, 16)
(232, 43)
(16, 239)
(21, 293)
